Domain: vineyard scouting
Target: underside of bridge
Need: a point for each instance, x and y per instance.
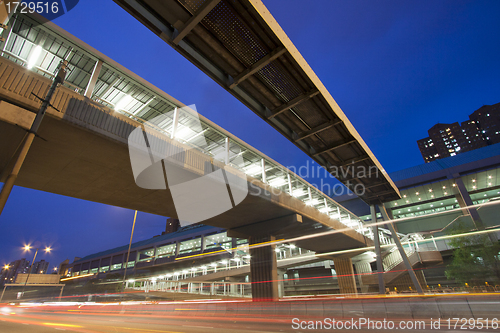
(241, 47)
(85, 155)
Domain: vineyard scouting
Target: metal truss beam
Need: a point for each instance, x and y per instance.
(380, 193)
(294, 102)
(354, 160)
(317, 129)
(275, 54)
(336, 145)
(193, 21)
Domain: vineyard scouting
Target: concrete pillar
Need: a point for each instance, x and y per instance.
(281, 283)
(363, 268)
(345, 275)
(378, 252)
(263, 269)
(177, 248)
(203, 243)
(226, 152)
(93, 79)
(233, 287)
(263, 165)
(234, 244)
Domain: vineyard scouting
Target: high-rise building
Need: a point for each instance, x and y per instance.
(444, 140)
(172, 226)
(40, 267)
(487, 120)
(9, 273)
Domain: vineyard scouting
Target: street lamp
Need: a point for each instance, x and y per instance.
(27, 248)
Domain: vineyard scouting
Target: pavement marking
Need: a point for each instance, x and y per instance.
(142, 329)
(63, 325)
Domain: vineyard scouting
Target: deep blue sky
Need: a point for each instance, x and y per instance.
(395, 68)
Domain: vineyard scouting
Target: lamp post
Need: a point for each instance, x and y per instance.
(27, 248)
(128, 252)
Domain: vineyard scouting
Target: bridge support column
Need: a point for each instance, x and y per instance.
(263, 264)
(281, 282)
(395, 237)
(376, 240)
(263, 269)
(345, 275)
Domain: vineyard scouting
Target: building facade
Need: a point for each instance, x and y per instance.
(462, 191)
(40, 267)
(445, 140)
(9, 272)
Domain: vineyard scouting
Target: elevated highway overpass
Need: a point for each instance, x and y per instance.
(240, 46)
(84, 152)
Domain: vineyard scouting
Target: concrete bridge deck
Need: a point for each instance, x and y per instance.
(85, 156)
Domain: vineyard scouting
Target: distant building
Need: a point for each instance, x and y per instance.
(9, 274)
(40, 267)
(172, 226)
(445, 140)
(63, 267)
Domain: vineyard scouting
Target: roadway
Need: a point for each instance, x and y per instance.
(263, 317)
(35, 321)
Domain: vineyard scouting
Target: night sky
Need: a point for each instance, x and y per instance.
(395, 68)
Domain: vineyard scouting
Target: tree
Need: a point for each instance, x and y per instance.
(476, 258)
